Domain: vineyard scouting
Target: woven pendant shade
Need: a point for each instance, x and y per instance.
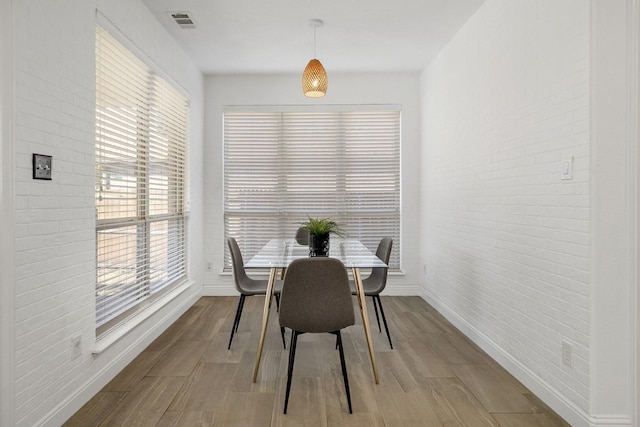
(314, 80)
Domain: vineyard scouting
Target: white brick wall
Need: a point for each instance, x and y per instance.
(507, 251)
(55, 220)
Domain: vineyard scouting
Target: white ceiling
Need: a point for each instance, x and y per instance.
(274, 36)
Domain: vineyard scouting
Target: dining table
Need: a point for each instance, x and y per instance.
(277, 254)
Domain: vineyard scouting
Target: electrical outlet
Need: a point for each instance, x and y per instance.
(76, 346)
(209, 266)
(567, 354)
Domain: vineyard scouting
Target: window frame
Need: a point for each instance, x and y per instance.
(349, 140)
(141, 159)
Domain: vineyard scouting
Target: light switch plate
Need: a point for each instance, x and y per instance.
(566, 166)
(41, 166)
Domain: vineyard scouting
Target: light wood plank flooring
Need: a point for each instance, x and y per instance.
(435, 376)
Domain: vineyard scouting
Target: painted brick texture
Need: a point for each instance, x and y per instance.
(55, 220)
(54, 231)
(507, 241)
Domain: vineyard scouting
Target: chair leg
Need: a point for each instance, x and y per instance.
(284, 344)
(345, 377)
(242, 299)
(384, 319)
(375, 308)
(236, 319)
(277, 303)
(292, 356)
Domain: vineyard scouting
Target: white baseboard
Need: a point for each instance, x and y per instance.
(548, 394)
(107, 372)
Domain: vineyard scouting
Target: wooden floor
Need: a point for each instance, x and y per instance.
(433, 377)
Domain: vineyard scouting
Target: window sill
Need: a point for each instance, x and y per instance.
(111, 337)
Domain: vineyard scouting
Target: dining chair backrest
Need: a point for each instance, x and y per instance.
(378, 275)
(241, 280)
(246, 286)
(316, 296)
(302, 236)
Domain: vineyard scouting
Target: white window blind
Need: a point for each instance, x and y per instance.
(280, 167)
(141, 164)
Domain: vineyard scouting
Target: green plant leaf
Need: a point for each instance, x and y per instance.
(321, 226)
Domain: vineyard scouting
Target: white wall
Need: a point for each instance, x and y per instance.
(55, 220)
(614, 121)
(6, 218)
(517, 258)
(384, 88)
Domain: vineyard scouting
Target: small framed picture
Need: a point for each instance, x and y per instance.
(41, 166)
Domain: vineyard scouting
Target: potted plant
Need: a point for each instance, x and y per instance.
(319, 230)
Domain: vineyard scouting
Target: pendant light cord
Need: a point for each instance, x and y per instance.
(314, 41)
(315, 23)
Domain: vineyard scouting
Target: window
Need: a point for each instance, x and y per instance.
(141, 146)
(281, 167)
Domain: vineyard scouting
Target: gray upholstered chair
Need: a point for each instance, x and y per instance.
(302, 236)
(247, 286)
(376, 282)
(316, 298)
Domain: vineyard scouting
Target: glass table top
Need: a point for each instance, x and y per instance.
(279, 253)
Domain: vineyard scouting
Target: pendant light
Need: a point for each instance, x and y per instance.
(314, 77)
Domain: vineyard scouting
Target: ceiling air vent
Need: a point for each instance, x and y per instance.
(183, 19)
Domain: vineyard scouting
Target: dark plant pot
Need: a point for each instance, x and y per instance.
(318, 245)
